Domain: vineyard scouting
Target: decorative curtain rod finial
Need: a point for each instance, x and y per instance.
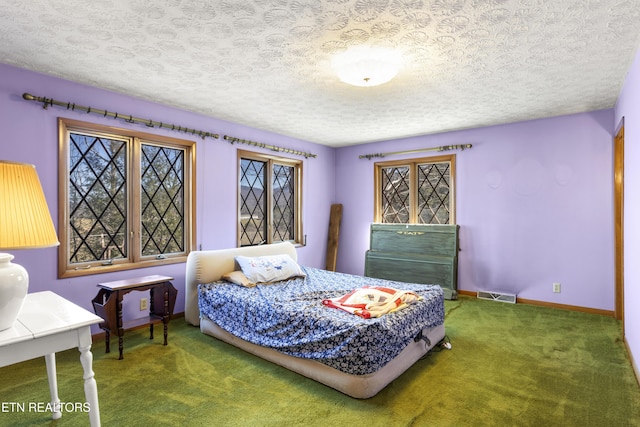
(371, 156)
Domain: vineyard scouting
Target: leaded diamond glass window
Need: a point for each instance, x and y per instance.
(253, 202)
(283, 202)
(395, 195)
(162, 201)
(418, 191)
(269, 200)
(97, 198)
(434, 183)
(128, 199)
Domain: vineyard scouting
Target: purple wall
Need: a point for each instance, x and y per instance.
(534, 205)
(29, 134)
(628, 107)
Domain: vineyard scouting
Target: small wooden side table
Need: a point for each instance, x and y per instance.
(108, 304)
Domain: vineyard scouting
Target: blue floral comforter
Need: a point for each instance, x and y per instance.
(289, 316)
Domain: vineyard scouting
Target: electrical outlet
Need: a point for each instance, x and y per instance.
(144, 304)
(556, 287)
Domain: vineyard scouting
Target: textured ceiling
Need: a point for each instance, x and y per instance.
(267, 63)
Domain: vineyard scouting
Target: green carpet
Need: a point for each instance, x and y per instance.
(510, 365)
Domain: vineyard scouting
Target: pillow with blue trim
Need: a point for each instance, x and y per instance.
(269, 268)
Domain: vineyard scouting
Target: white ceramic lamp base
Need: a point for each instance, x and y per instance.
(14, 283)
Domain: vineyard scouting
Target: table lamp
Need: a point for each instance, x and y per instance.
(25, 223)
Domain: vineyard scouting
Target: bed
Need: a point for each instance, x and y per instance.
(208, 297)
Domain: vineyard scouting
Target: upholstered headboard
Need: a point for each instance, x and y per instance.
(209, 266)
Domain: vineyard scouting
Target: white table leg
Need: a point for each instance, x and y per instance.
(50, 360)
(90, 385)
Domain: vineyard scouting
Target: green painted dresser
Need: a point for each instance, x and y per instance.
(415, 254)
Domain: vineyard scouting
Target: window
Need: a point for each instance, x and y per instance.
(416, 191)
(125, 199)
(269, 201)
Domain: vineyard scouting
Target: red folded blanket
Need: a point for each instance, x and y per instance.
(373, 301)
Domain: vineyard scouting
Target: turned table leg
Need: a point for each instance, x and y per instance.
(50, 360)
(120, 324)
(90, 385)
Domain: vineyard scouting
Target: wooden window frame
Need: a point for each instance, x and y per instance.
(134, 139)
(413, 183)
(270, 160)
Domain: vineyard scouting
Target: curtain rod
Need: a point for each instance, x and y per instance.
(441, 148)
(233, 140)
(46, 102)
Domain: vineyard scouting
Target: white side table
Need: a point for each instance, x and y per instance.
(47, 324)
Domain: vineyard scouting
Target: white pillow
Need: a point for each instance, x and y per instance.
(238, 278)
(271, 268)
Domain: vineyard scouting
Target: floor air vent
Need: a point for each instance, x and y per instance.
(497, 296)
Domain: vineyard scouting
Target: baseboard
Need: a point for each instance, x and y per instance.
(100, 335)
(609, 313)
(632, 360)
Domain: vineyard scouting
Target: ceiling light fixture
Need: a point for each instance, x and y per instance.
(367, 66)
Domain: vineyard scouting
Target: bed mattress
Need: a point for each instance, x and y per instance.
(290, 318)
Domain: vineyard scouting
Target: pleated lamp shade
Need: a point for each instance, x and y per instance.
(25, 221)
